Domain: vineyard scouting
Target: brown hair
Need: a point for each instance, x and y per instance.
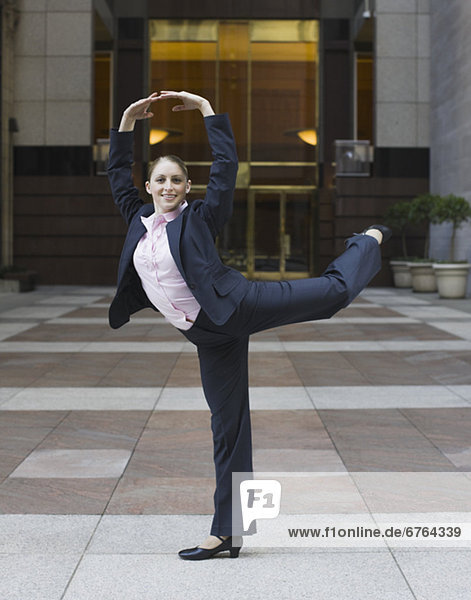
(171, 157)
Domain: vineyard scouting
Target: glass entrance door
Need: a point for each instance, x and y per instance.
(264, 74)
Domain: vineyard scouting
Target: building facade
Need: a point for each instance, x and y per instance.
(295, 78)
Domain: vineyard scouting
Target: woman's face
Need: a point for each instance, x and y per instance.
(168, 186)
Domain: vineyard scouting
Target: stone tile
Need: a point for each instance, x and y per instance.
(384, 397)
(426, 313)
(460, 458)
(69, 34)
(462, 330)
(46, 534)
(446, 368)
(8, 330)
(163, 495)
(59, 84)
(50, 335)
(177, 462)
(261, 398)
(427, 346)
(141, 370)
(436, 575)
(79, 370)
(175, 430)
(10, 459)
(399, 6)
(74, 464)
(392, 301)
(464, 391)
(139, 347)
(370, 428)
(322, 369)
(55, 496)
(447, 428)
(30, 37)
(414, 492)
(184, 373)
(81, 398)
(35, 577)
(69, 5)
(319, 493)
(394, 459)
(35, 312)
(274, 369)
(270, 346)
(147, 534)
(287, 459)
(6, 393)
(23, 432)
(41, 347)
(75, 299)
(64, 119)
(396, 79)
(300, 429)
(340, 576)
(98, 430)
(357, 311)
(362, 329)
(378, 368)
(90, 311)
(396, 123)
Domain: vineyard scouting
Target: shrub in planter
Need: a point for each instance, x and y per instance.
(452, 275)
(421, 211)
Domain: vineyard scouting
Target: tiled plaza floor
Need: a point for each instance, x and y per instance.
(106, 456)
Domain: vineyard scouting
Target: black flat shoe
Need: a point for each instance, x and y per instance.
(387, 233)
(198, 553)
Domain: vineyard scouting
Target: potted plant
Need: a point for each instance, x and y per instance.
(397, 217)
(423, 275)
(451, 274)
(17, 279)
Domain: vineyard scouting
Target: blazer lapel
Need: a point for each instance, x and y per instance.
(174, 231)
(135, 232)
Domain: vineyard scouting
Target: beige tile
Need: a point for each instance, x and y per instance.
(73, 464)
(162, 495)
(55, 496)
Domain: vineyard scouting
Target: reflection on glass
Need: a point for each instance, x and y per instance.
(297, 233)
(264, 74)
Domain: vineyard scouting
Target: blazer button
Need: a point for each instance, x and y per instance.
(191, 286)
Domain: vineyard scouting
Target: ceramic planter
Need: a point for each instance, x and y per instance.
(401, 273)
(423, 277)
(451, 279)
(18, 281)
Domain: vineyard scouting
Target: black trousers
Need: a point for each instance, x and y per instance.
(223, 354)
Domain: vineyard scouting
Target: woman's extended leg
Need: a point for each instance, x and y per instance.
(271, 304)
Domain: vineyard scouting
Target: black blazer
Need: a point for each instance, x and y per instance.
(217, 288)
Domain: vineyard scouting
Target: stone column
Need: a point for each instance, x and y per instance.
(451, 116)
(9, 22)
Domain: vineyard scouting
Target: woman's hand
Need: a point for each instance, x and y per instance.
(137, 111)
(190, 102)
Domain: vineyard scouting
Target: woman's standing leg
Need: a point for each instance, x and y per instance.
(224, 375)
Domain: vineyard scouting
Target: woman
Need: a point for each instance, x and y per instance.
(169, 262)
